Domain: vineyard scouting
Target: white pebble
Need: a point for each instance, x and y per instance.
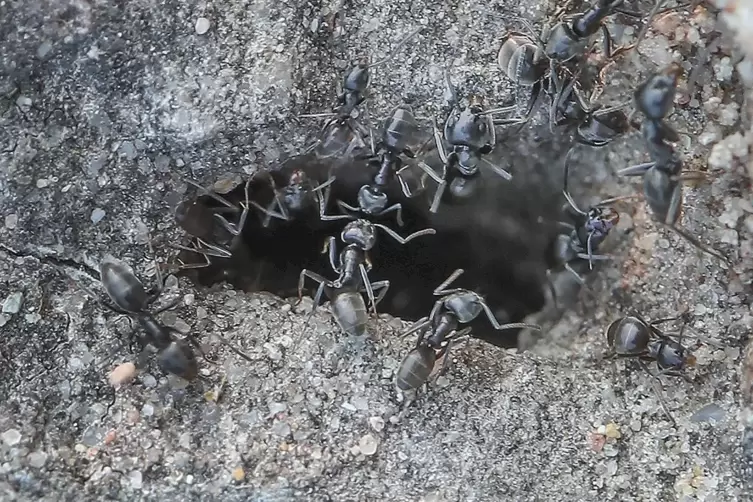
(97, 215)
(11, 437)
(12, 304)
(136, 479)
(147, 410)
(202, 25)
(11, 221)
(37, 459)
(376, 423)
(368, 445)
(149, 381)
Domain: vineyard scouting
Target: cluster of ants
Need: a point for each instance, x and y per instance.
(549, 64)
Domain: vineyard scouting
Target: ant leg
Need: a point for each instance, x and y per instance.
(501, 172)
(169, 306)
(438, 196)
(441, 291)
(416, 326)
(367, 285)
(206, 249)
(157, 272)
(610, 52)
(453, 340)
(451, 94)
(397, 47)
(612, 200)
(565, 190)
(404, 184)
(323, 208)
(395, 208)
(311, 275)
(330, 247)
(401, 240)
(211, 193)
(698, 244)
(577, 276)
(636, 170)
(269, 212)
(347, 208)
(383, 286)
(647, 24)
(440, 145)
(513, 325)
(552, 289)
(192, 339)
(658, 391)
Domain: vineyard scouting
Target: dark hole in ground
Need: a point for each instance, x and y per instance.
(500, 237)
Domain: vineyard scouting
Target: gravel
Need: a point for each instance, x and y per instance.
(105, 107)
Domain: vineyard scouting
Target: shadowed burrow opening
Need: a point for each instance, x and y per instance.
(502, 236)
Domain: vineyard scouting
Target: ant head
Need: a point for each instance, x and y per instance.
(601, 220)
(179, 359)
(371, 199)
(476, 103)
(361, 233)
(669, 354)
(298, 177)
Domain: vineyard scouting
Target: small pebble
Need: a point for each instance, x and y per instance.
(239, 474)
(122, 374)
(149, 381)
(11, 221)
(188, 299)
(11, 437)
(37, 459)
(147, 410)
(202, 25)
(376, 423)
(368, 445)
(136, 479)
(97, 215)
(708, 413)
(612, 431)
(12, 304)
(44, 49)
(635, 425)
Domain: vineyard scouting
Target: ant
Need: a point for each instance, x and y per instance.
(634, 337)
(398, 133)
(457, 306)
(532, 60)
(293, 199)
(470, 134)
(129, 297)
(353, 267)
(344, 116)
(663, 175)
(214, 235)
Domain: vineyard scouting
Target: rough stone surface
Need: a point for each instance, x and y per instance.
(104, 106)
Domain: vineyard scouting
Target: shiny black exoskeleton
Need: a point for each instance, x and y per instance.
(129, 297)
(593, 125)
(353, 266)
(214, 235)
(293, 199)
(343, 132)
(469, 135)
(587, 232)
(398, 135)
(634, 337)
(457, 306)
(663, 175)
(533, 60)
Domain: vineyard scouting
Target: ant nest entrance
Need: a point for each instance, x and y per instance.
(501, 238)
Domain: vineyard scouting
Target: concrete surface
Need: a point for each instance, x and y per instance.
(104, 105)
